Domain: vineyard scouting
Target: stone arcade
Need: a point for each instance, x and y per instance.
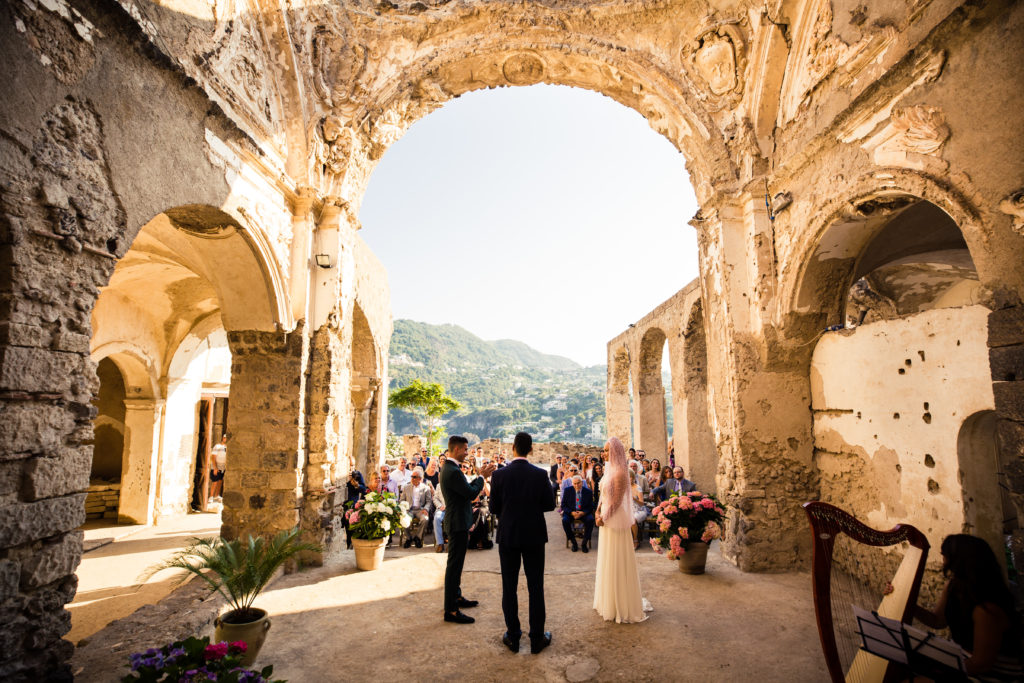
(181, 180)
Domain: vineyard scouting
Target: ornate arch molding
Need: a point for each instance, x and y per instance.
(346, 150)
(137, 368)
(230, 247)
(848, 220)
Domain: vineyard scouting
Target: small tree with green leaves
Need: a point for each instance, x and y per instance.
(428, 403)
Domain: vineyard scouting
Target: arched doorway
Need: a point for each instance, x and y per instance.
(650, 418)
(896, 278)
(989, 511)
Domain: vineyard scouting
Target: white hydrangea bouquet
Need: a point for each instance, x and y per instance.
(377, 516)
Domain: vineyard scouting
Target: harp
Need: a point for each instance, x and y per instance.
(833, 587)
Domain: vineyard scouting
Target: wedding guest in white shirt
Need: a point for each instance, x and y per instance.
(401, 475)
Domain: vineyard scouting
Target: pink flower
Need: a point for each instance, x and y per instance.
(354, 519)
(239, 646)
(695, 494)
(672, 509)
(675, 543)
(706, 536)
(670, 555)
(684, 533)
(685, 504)
(359, 504)
(665, 526)
(215, 651)
(655, 544)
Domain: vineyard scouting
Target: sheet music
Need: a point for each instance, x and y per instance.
(885, 638)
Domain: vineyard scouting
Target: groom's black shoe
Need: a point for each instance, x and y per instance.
(537, 645)
(463, 602)
(575, 547)
(586, 548)
(458, 618)
(510, 642)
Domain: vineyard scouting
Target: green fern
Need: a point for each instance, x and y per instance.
(238, 570)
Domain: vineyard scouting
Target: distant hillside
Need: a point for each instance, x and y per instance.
(503, 385)
(452, 346)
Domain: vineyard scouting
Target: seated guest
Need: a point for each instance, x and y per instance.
(431, 473)
(677, 486)
(423, 459)
(419, 496)
(578, 505)
(596, 474)
(401, 474)
(480, 529)
(573, 471)
(355, 489)
(654, 473)
(640, 510)
(641, 480)
(438, 519)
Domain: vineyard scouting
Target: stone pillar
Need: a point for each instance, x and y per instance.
(651, 428)
(262, 483)
(139, 461)
(1006, 359)
(364, 398)
(760, 393)
(328, 394)
(617, 399)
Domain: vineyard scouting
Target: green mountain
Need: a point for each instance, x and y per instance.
(504, 386)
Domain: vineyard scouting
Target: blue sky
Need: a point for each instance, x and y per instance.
(550, 215)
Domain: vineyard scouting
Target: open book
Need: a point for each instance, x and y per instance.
(897, 642)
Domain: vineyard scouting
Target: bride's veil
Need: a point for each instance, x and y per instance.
(617, 477)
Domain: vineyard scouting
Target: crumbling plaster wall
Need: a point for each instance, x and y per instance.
(889, 400)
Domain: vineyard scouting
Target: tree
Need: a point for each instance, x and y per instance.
(427, 401)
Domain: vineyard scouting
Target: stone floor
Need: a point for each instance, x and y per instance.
(335, 623)
(108, 577)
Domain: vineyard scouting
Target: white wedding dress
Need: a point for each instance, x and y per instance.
(617, 586)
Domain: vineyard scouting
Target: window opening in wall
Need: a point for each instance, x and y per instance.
(103, 495)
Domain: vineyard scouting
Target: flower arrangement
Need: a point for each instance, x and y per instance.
(195, 659)
(377, 516)
(695, 516)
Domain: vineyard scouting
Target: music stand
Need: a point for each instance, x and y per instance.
(922, 653)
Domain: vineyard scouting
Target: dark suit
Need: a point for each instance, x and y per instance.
(520, 495)
(586, 506)
(458, 495)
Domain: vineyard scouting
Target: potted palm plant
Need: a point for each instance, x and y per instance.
(239, 571)
(370, 522)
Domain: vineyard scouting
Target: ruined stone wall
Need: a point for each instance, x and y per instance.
(889, 400)
(637, 352)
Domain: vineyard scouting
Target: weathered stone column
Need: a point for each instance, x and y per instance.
(328, 395)
(262, 483)
(1006, 359)
(364, 397)
(617, 400)
(759, 393)
(139, 461)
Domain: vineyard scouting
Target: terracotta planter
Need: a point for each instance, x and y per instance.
(695, 557)
(369, 552)
(253, 633)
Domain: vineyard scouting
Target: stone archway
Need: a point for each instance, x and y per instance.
(649, 420)
(366, 384)
(896, 277)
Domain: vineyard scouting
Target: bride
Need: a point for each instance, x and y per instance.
(617, 587)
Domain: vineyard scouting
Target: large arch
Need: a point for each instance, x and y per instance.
(650, 429)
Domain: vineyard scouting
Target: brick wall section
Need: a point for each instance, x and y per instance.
(262, 483)
(1006, 358)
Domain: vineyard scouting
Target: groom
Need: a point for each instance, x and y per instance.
(520, 495)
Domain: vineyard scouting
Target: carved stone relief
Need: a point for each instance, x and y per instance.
(1013, 206)
(332, 142)
(718, 57)
(911, 139)
(523, 69)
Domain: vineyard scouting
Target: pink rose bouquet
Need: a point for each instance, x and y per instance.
(685, 519)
